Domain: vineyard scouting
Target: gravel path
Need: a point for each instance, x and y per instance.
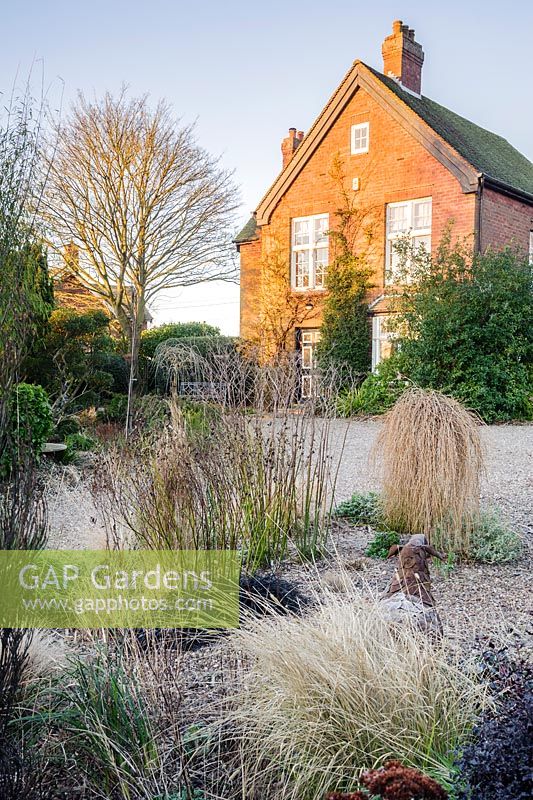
(75, 522)
(508, 482)
(474, 600)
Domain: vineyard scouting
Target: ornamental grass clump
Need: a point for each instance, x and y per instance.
(340, 690)
(104, 717)
(247, 472)
(432, 462)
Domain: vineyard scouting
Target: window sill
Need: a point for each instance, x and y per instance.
(316, 290)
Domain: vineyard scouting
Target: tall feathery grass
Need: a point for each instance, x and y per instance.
(341, 690)
(247, 470)
(432, 461)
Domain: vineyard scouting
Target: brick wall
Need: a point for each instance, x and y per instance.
(504, 221)
(250, 286)
(396, 168)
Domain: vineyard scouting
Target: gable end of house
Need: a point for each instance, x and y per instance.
(468, 151)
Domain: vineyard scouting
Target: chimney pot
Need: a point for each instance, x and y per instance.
(289, 145)
(403, 56)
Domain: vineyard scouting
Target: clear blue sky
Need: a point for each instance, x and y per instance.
(247, 71)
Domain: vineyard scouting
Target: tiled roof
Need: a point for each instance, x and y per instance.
(248, 233)
(487, 152)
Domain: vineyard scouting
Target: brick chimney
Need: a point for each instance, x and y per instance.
(71, 258)
(403, 57)
(289, 145)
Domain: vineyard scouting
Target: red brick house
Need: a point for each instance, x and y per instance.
(416, 164)
(69, 292)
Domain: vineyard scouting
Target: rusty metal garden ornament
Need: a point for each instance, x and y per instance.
(408, 595)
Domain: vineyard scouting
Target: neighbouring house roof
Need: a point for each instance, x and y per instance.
(69, 292)
(464, 148)
(248, 233)
(489, 153)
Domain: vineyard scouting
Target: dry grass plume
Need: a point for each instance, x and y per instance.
(432, 460)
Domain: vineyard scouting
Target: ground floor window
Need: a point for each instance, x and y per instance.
(308, 340)
(382, 339)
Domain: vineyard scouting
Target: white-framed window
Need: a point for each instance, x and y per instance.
(309, 252)
(382, 339)
(409, 220)
(360, 137)
(309, 338)
(531, 247)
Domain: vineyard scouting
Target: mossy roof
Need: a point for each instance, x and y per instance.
(487, 152)
(248, 233)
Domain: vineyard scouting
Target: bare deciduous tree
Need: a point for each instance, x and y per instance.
(142, 205)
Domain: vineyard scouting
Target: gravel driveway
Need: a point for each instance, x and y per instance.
(508, 482)
(476, 602)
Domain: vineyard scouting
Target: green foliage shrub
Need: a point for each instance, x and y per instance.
(362, 507)
(201, 350)
(73, 358)
(77, 443)
(115, 409)
(66, 426)
(149, 411)
(80, 442)
(469, 323)
(345, 341)
(378, 392)
(151, 375)
(30, 423)
(117, 367)
(26, 290)
(492, 541)
(206, 346)
(151, 339)
(381, 543)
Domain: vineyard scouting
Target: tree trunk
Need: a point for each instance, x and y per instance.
(138, 315)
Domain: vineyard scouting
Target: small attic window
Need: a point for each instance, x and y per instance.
(360, 138)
